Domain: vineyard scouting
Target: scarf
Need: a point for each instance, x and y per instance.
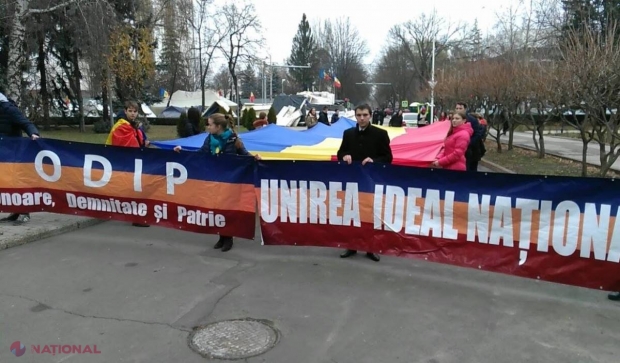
(219, 141)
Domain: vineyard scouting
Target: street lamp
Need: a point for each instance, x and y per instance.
(271, 76)
(432, 83)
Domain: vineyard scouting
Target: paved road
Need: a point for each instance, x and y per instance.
(563, 146)
(136, 293)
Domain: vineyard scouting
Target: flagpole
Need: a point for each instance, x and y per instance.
(432, 83)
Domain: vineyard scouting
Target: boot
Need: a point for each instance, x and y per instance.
(219, 244)
(373, 256)
(21, 219)
(11, 218)
(227, 245)
(140, 225)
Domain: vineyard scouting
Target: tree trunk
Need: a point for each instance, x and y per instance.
(174, 81)
(43, 93)
(202, 78)
(17, 41)
(607, 159)
(499, 142)
(104, 95)
(511, 134)
(541, 141)
(77, 77)
(234, 77)
(584, 156)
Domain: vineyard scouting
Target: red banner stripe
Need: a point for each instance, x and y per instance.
(549, 266)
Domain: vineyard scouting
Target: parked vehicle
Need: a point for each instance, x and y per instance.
(410, 119)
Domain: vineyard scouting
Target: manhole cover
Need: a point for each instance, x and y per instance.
(234, 339)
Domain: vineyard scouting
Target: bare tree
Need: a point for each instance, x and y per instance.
(591, 79)
(416, 37)
(344, 50)
(242, 39)
(210, 37)
(221, 81)
(394, 67)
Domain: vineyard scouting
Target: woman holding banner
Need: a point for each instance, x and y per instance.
(452, 156)
(222, 139)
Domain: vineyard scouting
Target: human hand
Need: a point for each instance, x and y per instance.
(257, 157)
(34, 137)
(177, 149)
(367, 160)
(147, 143)
(347, 159)
(435, 163)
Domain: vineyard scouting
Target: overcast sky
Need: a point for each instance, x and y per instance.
(373, 19)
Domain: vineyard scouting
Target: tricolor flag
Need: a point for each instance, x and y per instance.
(337, 83)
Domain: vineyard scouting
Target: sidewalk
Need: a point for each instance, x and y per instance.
(563, 147)
(41, 225)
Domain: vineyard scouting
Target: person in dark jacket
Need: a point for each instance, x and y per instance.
(397, 120)
(476, 148)
(222, 140)
(365, 143)
(323, 117)
(376, 116)
(12, 123)
(335, 117)
(192, 125)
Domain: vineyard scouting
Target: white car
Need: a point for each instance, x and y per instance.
(410, 119)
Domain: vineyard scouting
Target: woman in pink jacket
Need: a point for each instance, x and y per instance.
(452, 156)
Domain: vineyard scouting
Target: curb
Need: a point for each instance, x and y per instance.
(531, 148)
(50, 233)
(495, 167)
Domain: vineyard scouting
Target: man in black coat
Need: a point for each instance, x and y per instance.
(324, 117)
(12, 124)
(365, 143)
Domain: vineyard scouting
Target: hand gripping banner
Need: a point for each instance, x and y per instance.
(189, 191)
(556, 229)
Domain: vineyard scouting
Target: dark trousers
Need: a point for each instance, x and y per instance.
(472, 164)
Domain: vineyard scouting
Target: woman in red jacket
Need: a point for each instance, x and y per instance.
(452, 156)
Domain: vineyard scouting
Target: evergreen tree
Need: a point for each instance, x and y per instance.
(251, 119)
(271, 116)
(244, 117)
(249, 83)
(579, 14)
(476, 41)
(181, 125)
(303, 53)
(276, 84)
